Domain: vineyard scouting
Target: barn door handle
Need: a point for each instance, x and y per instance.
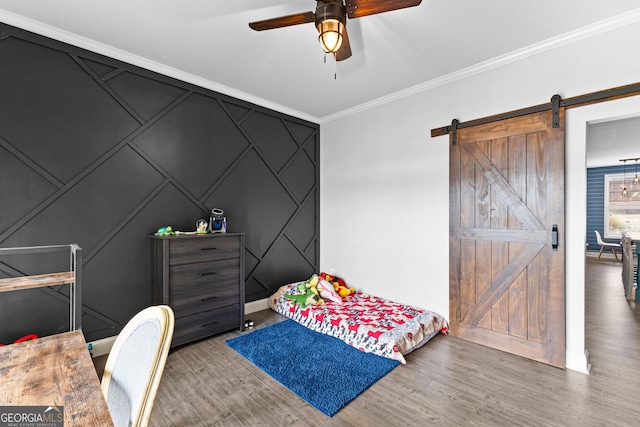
(554, 237)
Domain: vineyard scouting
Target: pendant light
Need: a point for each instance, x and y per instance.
(636, 180)
(625, 193)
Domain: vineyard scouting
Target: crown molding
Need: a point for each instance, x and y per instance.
(139, 61)
(582, 33)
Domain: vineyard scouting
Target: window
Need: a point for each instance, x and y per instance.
(621, 213)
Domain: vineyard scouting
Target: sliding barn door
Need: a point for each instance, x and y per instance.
(507, 272)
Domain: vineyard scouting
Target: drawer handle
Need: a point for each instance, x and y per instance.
(207, 299)
(208, 249)
(204, 325)
(209, 273)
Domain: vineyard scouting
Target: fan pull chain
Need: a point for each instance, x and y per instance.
(335, 66)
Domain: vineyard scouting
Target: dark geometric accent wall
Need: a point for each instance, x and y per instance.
(101, 153)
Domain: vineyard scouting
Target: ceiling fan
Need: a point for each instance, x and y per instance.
(330, 20)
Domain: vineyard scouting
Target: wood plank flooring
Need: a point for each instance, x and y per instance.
(448, 382)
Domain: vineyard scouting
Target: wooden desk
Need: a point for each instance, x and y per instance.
(54, 371)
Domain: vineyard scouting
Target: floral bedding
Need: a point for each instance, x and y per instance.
(371, 324)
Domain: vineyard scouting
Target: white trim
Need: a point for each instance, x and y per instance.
(259, 305)
(103, 346)
(578, 362)
(605, 255)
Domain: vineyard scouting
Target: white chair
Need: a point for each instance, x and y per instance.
(603, 245)
(135, 364)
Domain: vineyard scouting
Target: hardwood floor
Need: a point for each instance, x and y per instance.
(447, 382)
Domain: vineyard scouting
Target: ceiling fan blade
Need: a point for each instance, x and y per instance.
(345, 50)
(358, 8)
(283, 21)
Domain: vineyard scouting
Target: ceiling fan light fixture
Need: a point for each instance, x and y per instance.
(330, 37)
(330, 20)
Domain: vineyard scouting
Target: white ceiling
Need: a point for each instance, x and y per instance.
(610, 141)
(208, 42)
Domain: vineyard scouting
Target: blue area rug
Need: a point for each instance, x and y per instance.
(322, 370)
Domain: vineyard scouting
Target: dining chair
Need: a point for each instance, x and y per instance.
(135, 364)
(603, 245)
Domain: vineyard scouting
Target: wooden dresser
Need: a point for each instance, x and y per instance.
(202, 278)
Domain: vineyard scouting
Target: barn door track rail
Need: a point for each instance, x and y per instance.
(554, 105)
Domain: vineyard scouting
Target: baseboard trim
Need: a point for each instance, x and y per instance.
(608, 256)
(259, 305)
(103, 346)
(578, 361)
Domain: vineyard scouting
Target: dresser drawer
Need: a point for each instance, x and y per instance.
(206, 323)
(187, 277)
(203, 249)
(196, 300)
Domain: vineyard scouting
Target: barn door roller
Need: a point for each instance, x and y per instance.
(454, 131)
(555, 111)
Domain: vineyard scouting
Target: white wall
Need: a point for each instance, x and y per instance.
(384, 180)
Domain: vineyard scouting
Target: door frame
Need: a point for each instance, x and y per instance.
(576, 121)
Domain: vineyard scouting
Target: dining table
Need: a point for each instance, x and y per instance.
(53, 379)
(635, 235)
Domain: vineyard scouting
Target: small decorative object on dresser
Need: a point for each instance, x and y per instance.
(217, 221)
(201, 226)
(201, 277)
